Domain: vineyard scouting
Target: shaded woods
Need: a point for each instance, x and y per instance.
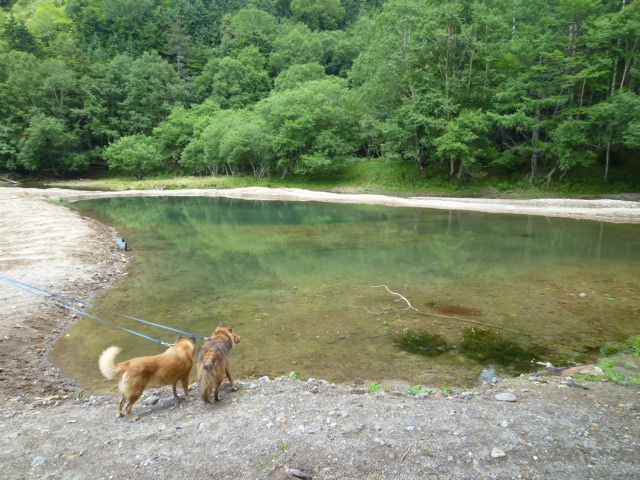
(524, 89)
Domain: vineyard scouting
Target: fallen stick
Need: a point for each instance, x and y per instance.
(405, 454)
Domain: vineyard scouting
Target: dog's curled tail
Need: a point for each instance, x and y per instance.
(107, 362)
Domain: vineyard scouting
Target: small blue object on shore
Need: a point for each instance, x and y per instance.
(121, 243)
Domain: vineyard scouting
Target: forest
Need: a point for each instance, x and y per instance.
(460, 89)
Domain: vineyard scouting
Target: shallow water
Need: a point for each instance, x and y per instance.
(298, 280)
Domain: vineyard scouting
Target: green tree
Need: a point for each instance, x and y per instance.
(572, 145)
(58, 86)
(318, 14)
(295, 44)
(134, 154)
(311, 127)
(252, 27)
(296, 75)
(614, 121)
(49, 21)
(18, 36)
(174, 134)
(47, 146)
(152, 88)
(465, 140)
(422, 64)
(202, 154)
(247, 146)
(234, 82)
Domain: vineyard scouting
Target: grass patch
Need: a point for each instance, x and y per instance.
(382, 176)
(375, 387)
(418, 389)
(629, 346)
(621, 364)
(622, 369)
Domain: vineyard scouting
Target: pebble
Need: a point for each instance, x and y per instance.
(298, 473)
(504, 424)
(39, 460)
(506, 397)
(497, 453)
(151, 400)
(550, 439)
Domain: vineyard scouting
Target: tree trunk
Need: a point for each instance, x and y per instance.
(535, 135)
(608, 157)
(420, 158)
(419, 151)
(584, 85)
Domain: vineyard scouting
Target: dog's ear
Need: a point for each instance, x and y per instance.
(178, 338)
(193, 338)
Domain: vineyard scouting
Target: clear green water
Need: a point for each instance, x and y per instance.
(297, 280)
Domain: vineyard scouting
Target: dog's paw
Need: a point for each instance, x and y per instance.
(134, 419)
(234, 389)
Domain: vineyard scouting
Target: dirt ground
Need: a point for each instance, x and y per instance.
(278, 428)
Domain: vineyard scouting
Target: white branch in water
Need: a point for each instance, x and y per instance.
(395, 293)
(447, 316)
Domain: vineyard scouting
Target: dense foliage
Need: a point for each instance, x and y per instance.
(463, 88)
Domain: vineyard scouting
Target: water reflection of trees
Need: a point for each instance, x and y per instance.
(243, 241)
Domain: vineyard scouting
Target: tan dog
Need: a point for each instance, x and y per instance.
(214, 362)
(168, 368)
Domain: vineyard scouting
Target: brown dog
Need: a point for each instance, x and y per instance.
(213, 363)
(168, 368)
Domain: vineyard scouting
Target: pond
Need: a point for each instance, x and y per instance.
(301, 281)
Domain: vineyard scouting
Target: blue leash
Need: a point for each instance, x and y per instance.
(28, 288)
